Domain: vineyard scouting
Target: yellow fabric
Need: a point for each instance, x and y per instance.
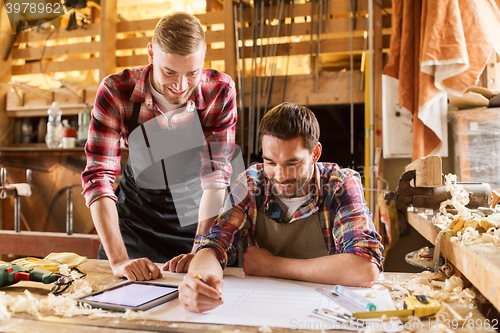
(53, 261)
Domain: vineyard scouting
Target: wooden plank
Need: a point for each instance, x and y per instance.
(424, 227)
(428, 171)
(56, 66)
(132, 61)
(335, 26)
(301, 48)
(132, 43)
(478, 263)
(215, 36)
(134, 26)
(214, 17)
(6, 37)
(333, 89)
(40, 244)
(338, 8)
(150, 24)
(60, 33)
(229, 40)
(141, 42)
(55, 51)
(41, 110)
(107, 55)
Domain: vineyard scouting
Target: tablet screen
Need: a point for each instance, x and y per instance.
(133, 295)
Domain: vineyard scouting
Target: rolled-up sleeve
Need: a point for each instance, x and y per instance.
(238, 217)
(353, 228)
(103, 146)
(219, 130)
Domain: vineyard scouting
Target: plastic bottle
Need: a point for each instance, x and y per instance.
(83, 125)
(54, 127)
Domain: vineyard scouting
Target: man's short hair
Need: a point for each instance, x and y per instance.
(287, 121)
(179, 33)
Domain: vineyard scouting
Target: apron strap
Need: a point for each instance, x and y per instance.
(134, 119)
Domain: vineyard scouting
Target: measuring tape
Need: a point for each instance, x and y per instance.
(419, 305)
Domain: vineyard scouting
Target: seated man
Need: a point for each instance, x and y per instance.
(305, 220)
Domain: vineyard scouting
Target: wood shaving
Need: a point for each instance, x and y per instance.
(372, 294)
(4, 303)
(436, 285)
(413, 323)
(447, 269)
(447, 312)
(57, 305)
(394, 286)
(265, 329)
(443, 289)
(466, 227)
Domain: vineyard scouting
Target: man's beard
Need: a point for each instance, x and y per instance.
(163, 89)
(298, 188)
(177, 100)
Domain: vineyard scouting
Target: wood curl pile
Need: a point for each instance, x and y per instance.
(64, 305)
(56, 305)
(466, 227)
(446, 288)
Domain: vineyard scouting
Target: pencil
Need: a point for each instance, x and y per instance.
(197, 276)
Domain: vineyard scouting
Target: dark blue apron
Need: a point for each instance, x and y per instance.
(150, 224)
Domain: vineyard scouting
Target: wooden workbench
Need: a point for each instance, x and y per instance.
(479, 264)
(99, 273)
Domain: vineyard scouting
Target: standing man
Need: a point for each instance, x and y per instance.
(305, 220)
(178, 121)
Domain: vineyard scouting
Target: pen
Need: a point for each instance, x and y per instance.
(197, 276)
(354, 298)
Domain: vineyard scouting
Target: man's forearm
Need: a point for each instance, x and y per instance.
(105, 217)
(343, 268)
(210, 204)
(205, 262)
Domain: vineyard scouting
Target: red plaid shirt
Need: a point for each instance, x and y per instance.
(214, 97)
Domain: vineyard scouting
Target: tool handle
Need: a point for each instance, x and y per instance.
(42, 275)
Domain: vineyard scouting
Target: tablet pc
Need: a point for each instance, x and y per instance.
(133, 295)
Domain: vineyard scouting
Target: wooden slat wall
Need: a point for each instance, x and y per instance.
(79, 49)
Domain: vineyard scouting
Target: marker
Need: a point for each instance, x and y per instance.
(354, 298)
(197, 276)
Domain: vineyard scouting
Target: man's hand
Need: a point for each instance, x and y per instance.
(137, 270)
(197, 296)
(179, 264)
(257, 261)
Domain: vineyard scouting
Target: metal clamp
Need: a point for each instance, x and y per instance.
(8, 191)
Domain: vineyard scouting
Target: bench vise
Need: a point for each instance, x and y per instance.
(431, 197)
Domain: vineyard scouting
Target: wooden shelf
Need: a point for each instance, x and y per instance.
(41, 111)
(478, 263)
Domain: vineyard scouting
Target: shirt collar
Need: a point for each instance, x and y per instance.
(197, 94)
